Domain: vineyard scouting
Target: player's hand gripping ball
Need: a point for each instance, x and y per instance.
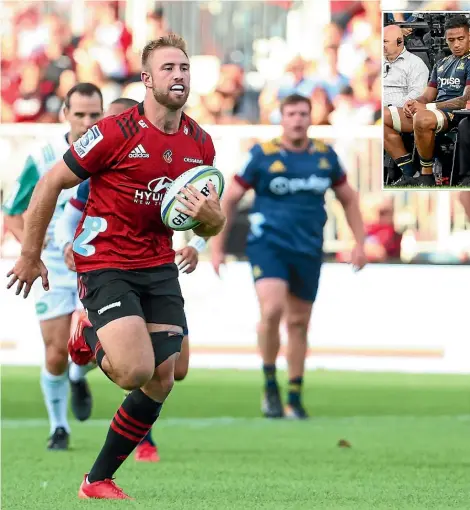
(198, 177)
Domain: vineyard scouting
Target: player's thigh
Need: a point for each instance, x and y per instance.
(395, 118)
(113, 304)
(162, 300)
(163, 308)
(270, 273)
(55, 333)
(434, 120)
(182, 363)
(127, 344)
(297, 313)
(304, 277)
(54, 309)
(56, 302)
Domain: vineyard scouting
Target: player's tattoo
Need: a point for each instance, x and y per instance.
(457, 103)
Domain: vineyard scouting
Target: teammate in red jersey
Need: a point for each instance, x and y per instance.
(128, 281)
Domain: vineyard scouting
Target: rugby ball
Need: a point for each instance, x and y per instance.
(199, 177)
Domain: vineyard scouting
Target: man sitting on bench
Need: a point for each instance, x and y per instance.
(431, 113)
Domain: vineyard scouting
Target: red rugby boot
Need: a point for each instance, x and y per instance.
(103, 489)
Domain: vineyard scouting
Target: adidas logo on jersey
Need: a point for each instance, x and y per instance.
(138, 152)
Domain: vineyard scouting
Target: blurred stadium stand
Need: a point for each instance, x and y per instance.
(246, 56)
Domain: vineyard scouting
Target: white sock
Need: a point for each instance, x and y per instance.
(78, 372)
(55, 389)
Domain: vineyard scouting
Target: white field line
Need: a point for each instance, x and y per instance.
(230, 421)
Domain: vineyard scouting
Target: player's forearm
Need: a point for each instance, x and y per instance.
(228, 208)
(354, 219)
(423, 99)
(457, 103)
(38, 216)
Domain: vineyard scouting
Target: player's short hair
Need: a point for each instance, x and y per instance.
(84, 89)
(125, 101)
(295, 99)
(458, 21)
(167, 41)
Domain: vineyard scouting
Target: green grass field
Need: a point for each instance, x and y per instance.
(409, 436)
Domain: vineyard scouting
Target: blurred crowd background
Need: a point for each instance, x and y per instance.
(245, 57)
(426, 5)
(244, 60)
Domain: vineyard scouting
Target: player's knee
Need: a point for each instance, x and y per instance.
(160, 387)
(166, 384)
(390, 133)
(272, 313)
(133, 378)
(56, 358)
(424, 121)
(181, 371)
(297, 325)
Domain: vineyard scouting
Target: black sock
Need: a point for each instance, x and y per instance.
(405, 164)
(270, 381)
(295, 390)
(130, 424)
(91, 338)
(148, 438)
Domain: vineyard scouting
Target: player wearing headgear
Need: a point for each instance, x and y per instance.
(290, 177)
(54, 309)
(448, 90)
(128, 281)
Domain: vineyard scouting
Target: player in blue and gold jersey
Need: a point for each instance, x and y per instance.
(290, 176)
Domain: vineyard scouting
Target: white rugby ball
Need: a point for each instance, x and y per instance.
(199, 177)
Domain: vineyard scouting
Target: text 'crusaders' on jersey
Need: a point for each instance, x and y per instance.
(130, 164)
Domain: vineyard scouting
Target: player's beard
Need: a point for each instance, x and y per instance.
(164, 98)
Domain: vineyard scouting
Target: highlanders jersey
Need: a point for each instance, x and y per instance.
(450, 76)
(37, 164)
(289, 208)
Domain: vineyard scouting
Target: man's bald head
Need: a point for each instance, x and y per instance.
(392, 34)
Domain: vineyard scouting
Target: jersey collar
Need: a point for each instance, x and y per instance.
(140, 109)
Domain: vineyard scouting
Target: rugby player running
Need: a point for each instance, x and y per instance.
(65, 228)
(290, 177)
(54, 309)
(128, 281)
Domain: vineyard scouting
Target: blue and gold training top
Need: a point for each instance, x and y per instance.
(289, 207)
(450, 76)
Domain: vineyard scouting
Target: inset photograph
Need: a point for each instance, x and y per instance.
(426, 97)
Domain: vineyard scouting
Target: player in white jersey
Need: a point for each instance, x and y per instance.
(54, 308)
